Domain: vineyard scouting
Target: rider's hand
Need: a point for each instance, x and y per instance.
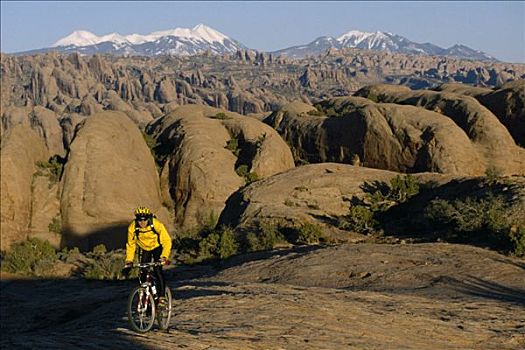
(164, 261)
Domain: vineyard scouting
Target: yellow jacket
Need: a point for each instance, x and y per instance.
(147, 239)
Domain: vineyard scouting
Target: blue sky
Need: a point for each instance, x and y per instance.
(497, 28)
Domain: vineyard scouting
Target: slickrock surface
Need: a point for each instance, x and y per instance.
(364, 296)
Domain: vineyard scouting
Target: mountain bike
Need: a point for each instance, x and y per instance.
(143, 308)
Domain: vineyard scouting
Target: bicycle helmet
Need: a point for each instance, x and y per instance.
(143, 212)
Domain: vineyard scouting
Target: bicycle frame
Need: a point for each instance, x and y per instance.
(142, 303)
(150, 279)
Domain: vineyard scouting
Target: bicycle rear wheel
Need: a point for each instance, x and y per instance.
(141, 310)
(164, 313)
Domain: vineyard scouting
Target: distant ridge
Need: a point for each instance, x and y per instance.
(178, 41)
(201, 38)
(381, 41)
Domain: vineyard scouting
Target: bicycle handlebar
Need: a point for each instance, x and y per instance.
(144, 265)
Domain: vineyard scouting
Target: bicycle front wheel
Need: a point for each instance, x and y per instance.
(164, 312)
(141, 310)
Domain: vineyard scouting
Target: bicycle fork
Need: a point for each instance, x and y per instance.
(143, 303)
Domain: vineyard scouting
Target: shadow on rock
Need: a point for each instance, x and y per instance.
(210, 269)
(113, 237)
(486, 289)
(65, 314)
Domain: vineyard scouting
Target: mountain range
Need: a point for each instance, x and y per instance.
(382, 41)
(201, 38)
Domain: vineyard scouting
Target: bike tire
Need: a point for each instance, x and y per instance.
(141, 310)
(164, 314)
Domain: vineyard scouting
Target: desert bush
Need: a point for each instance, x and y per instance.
(316, 113)
(364, 215)
(309, 233)
(218, 245)
(372, 97)
(208, 246)
(33, 257)
(55, 225)
(517, 237)
(264, 237)
(233, 146)
(228, 245)
(220, 115)
(207, 221)
(52, 168)
(492, 175)
(150, 141)
(359, 219)
(249, 177)
(402, 188)
(69, 255)
(104, 265)
(486, 221)
(242, 170)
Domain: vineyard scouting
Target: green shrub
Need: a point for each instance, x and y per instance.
(402, 188)
(233, 146)
(52, 168)
(33, 257)
(315, 112)
(486, 221)
(242, 170)
(150, 141)
(251, 177)
(207, 221)
(289, 203)
(309, 233)
(104, 265)
(359, 219)
(492, 175)
(220, 115)
(265, 237)
(208, 246)
(217, 245)
(517, 237)
(155, 151)
(99, 249)
(228, 246)
(331, 112)
(69, 255)
(55, 225)
(373, 97)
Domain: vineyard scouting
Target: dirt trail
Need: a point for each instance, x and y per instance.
(365, 296)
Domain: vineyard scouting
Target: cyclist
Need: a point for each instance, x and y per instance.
(154, 243)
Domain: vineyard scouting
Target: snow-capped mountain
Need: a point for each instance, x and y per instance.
(381, 41)
(178, 41)
(201, 38)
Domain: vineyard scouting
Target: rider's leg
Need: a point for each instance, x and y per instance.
(158, 271)
(144, 257)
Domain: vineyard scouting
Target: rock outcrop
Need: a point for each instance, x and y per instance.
(384, 136)
(507, 102)
(109, 172)
(21, 149)
(315, 193)
(248, 82)
(209, 152)
(493, 141)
